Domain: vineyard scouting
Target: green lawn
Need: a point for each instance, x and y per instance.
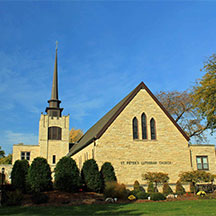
(196, 207)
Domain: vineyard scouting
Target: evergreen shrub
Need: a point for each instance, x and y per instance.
(157, 196)
(179, 188)
(142, 195)
(138, 187)
(91, 176)
(19, 174)
(67, 177)
(167, 189)
(39, 175)
(107, 172)
(115, 190)
(150, 188)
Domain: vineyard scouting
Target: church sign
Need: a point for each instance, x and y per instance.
(146, 162)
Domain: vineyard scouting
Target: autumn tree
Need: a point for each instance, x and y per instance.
(194, 177)
(75, 135)
(156, 177)
(180, 106)
(204, 97)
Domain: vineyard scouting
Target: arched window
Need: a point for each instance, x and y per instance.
(54, 133)
(135, 128)
(144, 128)
(153, 130)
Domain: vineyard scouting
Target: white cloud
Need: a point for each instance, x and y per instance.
(10, 137)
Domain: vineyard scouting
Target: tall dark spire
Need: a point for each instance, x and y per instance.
(54, 103)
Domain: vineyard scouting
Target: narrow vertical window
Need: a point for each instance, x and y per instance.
(144, 128)
(153, 130)
(54, 159)
(92, 153)
(135, 128)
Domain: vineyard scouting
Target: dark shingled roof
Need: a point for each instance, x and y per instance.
(97, 130)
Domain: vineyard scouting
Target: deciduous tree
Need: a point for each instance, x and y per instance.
(204, 97)
(180, 106)
(75, 135)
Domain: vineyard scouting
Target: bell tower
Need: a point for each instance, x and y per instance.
(53, 126)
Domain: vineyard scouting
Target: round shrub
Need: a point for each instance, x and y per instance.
(142, 195)
(107, 172)
(150, 188)
(167, 189)
(19, 174)
(67, 176)
(39, 175)
(179, 188)
(157, 196)
(115, 190)
(91, 176)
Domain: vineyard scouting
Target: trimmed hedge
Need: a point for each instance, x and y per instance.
(107, 172)
(91, 176)
(67, 177)
(19, 174)
(157, 196)
(39, 175)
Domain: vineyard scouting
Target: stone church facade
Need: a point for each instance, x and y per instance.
(137, 136)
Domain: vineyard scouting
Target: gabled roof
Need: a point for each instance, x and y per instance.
(97, 130)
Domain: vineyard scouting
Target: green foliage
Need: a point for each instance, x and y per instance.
(150, 188)
(142, 195)
(179, 188)
(115, 190)
(13, 198)
(192, 187)
(6, 160)
(107, 172)
(137, 186)
(38, 198)
(39, 175)
(167, 189)
(67, 177)
(157, 196)
(91, 176)
(204, 93)
(19, 174)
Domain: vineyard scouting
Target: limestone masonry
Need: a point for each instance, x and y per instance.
(137, 136)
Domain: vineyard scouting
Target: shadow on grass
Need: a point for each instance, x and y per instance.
(98, 210)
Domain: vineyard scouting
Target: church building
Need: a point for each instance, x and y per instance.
(137, 136)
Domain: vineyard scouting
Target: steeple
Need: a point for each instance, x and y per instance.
(54, 109)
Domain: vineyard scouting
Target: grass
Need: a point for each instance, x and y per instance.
(193, 207)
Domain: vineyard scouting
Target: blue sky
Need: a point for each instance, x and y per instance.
(106, 48)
